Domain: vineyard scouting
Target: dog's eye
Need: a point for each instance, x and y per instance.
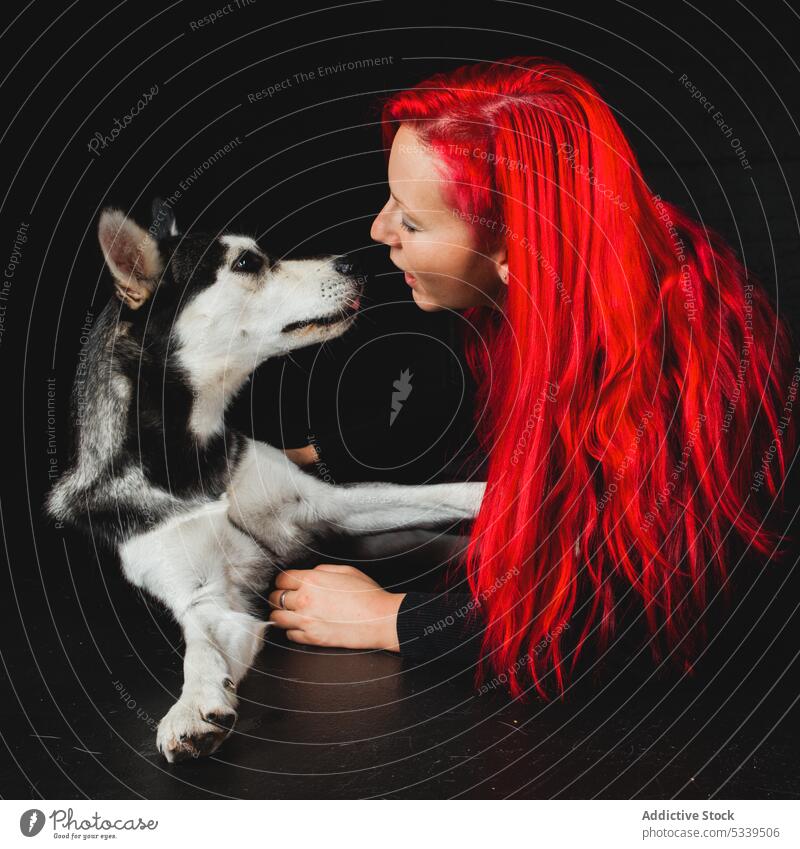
(248, 262)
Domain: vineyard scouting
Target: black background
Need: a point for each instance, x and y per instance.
(308, 177)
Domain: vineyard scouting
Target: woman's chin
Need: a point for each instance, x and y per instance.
(424, 302)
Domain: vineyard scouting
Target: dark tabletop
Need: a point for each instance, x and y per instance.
(82, 709)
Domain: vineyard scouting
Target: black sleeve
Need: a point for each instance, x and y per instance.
(448, 626)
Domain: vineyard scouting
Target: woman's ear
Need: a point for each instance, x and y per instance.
(500, 258)
(502, 269)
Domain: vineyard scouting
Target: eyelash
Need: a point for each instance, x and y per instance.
(406, 226)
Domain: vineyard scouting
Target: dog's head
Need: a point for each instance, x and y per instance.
(221, 300)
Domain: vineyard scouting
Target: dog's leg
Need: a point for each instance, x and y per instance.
(197, 565)
(271, 499)
(376, 508)
(205, 713)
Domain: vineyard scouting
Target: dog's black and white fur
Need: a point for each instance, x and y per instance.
(200, 515)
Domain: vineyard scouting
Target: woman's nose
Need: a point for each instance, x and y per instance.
(378, 230)
(381, 230)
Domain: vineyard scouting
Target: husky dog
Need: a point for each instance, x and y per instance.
(201, 516)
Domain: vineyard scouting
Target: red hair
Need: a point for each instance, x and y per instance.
(632, 389)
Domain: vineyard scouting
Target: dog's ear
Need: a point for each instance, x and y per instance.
(164, 223)
(132, 256)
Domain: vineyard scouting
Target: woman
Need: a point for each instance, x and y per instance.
(632, 383)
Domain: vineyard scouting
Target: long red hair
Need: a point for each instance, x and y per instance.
(632, 389)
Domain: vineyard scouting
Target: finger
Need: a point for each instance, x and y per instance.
(297, 636)
(274, 598)
(289, 579)
(286, 619)
(336, 567)
(299, 456)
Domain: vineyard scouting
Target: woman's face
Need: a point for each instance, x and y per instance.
(429, 240)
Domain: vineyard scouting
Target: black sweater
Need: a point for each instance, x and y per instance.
(431, 439)
(448, 626)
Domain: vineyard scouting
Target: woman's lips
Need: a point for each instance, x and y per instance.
(410, 279)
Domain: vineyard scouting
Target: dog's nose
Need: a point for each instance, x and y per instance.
(344, 265)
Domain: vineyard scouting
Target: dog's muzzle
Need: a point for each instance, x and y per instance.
(346, 291)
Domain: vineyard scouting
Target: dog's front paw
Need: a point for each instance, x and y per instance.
(192, 730)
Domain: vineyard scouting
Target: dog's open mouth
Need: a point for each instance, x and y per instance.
(328, 320)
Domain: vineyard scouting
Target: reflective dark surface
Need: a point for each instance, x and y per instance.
(332, 723)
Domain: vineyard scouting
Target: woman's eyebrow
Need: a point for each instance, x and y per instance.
(397, 198)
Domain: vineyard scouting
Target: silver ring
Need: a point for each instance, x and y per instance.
(282, 599)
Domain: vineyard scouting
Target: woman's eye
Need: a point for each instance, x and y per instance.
(406, 226)
(248, 263)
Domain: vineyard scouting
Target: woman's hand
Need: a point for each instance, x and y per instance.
(336, 606)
